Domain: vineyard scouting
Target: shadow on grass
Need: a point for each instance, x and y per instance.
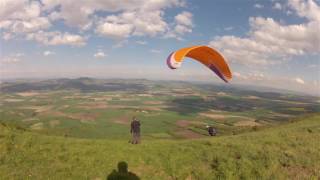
(122, 173)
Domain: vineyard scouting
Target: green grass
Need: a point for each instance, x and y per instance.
(290, 151)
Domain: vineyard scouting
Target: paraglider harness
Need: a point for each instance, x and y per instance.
(212, 131)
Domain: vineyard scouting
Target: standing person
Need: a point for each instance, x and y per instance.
(135, 130)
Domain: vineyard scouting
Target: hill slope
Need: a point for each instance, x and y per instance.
(288, 151)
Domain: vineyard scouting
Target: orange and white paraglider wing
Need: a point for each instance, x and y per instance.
(206, 55)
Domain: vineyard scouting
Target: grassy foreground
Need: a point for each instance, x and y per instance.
(286, 152)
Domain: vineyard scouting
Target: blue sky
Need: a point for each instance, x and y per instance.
(270, 43)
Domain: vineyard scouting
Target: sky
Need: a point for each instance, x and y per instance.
(272, 43)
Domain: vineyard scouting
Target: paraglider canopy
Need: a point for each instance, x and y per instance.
(204, 54)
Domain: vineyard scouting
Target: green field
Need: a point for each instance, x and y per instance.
(290, 151)
(89, 108)
(79, 129)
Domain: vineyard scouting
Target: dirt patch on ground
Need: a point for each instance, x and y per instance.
(247, 123)
(217, 111)
(54, 123)
(153, 108)
(222, 94)
(13, 100)
(242, 117)
(188, 134)
(30, 119)
(68, 97)
(122, 120)
(118, 107)
(185, 123)
(252, 97)
(214, 116)
(298, 172)
(145, 95)
(37, 126)
(282, 115)
(128, 99)
(65, 106)
(54, 113)
(93, 106)
(28, 94)
(82, 117)
(153, 102)
(101, 98)
(223, 116)
(38, 109)
(290, 102)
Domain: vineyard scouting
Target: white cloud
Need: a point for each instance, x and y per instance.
(53, 16)
(180, 29)
(299, 80)
(183, 25)
(136, 17)
(19, 9)
(32, 25)
(258, 6)
(5, 24)
(121, 43)
(277, 6)
(114, 30)
(25, 18)
(228, 28)
(270, 42)
(57, 38)
(156, 51)
(184, 18)
(236, 74)
(252, 76)
(133, 23)
(79, 13)
(99, 54)
(11, 59)
(149, 23)
(21, 17)
(48, 53)
(308, 9)
(142, 42)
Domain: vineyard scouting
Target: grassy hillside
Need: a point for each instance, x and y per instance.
(288, 151)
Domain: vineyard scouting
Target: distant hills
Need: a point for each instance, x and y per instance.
(81, 84)
(85, 84)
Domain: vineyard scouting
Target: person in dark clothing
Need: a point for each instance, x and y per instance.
(135, 130)
(212, 131)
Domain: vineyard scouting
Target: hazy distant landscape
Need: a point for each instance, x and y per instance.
(97, 108)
